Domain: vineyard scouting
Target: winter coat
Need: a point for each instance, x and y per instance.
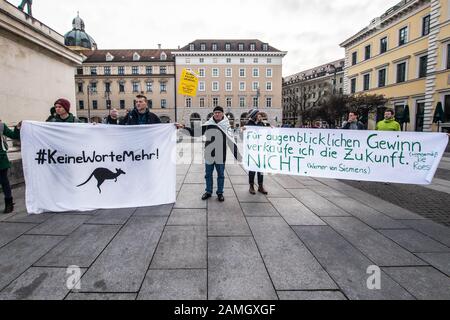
(388, 125)
(347, 125)
(110, 120)
(6, 132)
(70, 119)
(135, 118)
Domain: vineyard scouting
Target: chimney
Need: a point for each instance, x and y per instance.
(159, 46)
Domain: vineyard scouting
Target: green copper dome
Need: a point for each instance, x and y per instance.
(78, 37)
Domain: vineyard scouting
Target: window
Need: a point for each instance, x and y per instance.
(163, 86)
(353, 85)
(426, 25)
(255, 102)
(241, 86)
(354, 58)
(201, 86)
(367, 50)
(252, 47)
(383, 45)
(242, 73)
(121, 71)
(229, 102)
(265, 47)
(202, 46)
(81, 104)
(228, 86)
(93, 71)
(163, 70)
(107, 87)
(202, 60)
(227, 47)
(241, 47)
(381, 78)
(192, 47)
(108, 104)
(228, 73)
(163, 103)
(94, 104)
(94, 87)
(215, 102)
(122, 104)
(255, 72)
(242, 102)
(202, 102)
(148, 70)
(149, 85)
(80, 87)
(403, 36)
(188, 102)
(214, 47)
(201, 72)
(122, 87)
(269, 102)
(401, 72)
(269, 60)
(215, 72)
(79, 71)
(242, 60)
(423, 65)
(366, 80)
(188, 61)
(215, 86)
(420, 116)
(448, 56)
(228, 60)
(255, 86)
(135, 86)
(269, 73)
(269, 86)
(107, 71)
(447, 108)
(255, 60)
(150, 103)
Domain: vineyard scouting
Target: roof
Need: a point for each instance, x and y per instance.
(319, 71)
(234, 45)
(126, 55)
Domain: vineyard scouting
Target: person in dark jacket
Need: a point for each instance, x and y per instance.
(141, 115)
(113, 118)
(5, 164)
(219, 137)
(62, 107)
(256, 119)
(52, 114)
(353, 123)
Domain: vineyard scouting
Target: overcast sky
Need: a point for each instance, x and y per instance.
(310, 30)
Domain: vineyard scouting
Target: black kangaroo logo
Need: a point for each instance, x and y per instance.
(102, 174)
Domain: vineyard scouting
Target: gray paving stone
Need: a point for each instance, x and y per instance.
(180, 180)
(60, 225)
(11, 231)
(123, 264)
(101, 296)
(347, 265)
(197, 168)
(288, 182)
(190, 197)
(174, 285)
(239, 180)
(293, 267)
(414, 241)
(182, 169)
(295, 213)
(328, 192)
(226, 218)
(311, 295)
(39, 284)
(440, 261)
(195, 178)
(155, 211)
(381, 250)
(259, 210)
(187, 217)
(424, 283)
(275, 190)
(243, 194)
(181, 247)
(81, 248)
(24, 217)
(20, 254)
(236, 270)
(432, 229)
(112, 216)
(235, 170)
(317, 204)
(368, 215)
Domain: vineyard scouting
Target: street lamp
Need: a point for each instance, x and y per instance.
(89, 88)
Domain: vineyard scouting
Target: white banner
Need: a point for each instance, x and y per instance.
(83, 167)
(397, 157)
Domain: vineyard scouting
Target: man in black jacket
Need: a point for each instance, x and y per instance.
(218, 136)
(353, 123)
(141, 115)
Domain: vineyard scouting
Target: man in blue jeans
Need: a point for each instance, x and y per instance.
(218, 135)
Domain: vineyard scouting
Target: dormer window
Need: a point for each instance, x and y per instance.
(228, 47)
(214, 47)
(109, 57)
(136, 57)
(252, 47)
(163, 56)
(192, 47)
(265, 47)
(241, 47)
(203, 47)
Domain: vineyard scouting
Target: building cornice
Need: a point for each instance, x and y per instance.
(228, 53)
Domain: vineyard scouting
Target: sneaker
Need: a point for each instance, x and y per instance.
(220, 197)
(206, 196)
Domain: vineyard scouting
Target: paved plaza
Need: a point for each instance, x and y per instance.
(308, 239)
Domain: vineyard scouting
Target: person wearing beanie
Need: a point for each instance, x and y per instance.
(62, 107)
(219, 136)
(5, 164)
(256, 120)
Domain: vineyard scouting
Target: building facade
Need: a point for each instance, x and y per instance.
(305, 89)
(237, 75)
(112, 79)
(405, 55)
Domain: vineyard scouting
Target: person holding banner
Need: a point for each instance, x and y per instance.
(389, 123)
(62, 108)
(141, 114)
(219, 135)
(5, 164)
(256, 119)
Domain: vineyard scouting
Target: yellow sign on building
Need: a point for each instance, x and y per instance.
(188, 83)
